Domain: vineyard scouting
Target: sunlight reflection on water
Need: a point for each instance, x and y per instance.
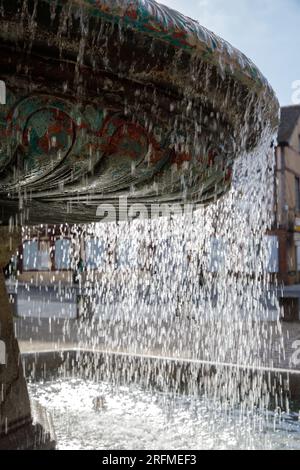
(90, 415)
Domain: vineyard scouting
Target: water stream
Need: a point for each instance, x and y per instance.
(197, 285)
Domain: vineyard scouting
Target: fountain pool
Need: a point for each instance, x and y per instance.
(89, 415)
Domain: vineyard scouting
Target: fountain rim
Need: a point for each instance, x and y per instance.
(128, 29)
(182, 32)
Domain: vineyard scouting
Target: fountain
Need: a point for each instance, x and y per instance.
(109, 101)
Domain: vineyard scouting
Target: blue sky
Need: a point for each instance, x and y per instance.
(267, 31)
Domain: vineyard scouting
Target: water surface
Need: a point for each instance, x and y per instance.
(88, 415)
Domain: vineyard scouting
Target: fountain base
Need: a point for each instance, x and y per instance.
(28, 437)
(17, 430)
(137, 402)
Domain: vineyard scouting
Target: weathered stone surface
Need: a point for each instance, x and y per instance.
(10, 240)
(14, 402)
(27, 437)
(16, 428)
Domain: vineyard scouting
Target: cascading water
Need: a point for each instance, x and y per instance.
(180, 313)
(195, 288)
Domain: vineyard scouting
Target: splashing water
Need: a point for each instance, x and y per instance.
(193, 287)
(139, 419)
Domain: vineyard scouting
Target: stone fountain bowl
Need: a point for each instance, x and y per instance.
(108, 99)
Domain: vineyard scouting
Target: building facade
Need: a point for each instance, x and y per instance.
(287, 196)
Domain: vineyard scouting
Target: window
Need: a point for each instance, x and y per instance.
(36, 256)
(217, 255)
(2, 353)
(94, 253)
(298, 257)
(297, 195)
(2, 92)
(63, 254)
(273, 258)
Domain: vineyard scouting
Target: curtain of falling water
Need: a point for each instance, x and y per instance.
(194, 287)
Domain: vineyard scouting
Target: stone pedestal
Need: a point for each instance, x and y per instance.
(16, 428)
